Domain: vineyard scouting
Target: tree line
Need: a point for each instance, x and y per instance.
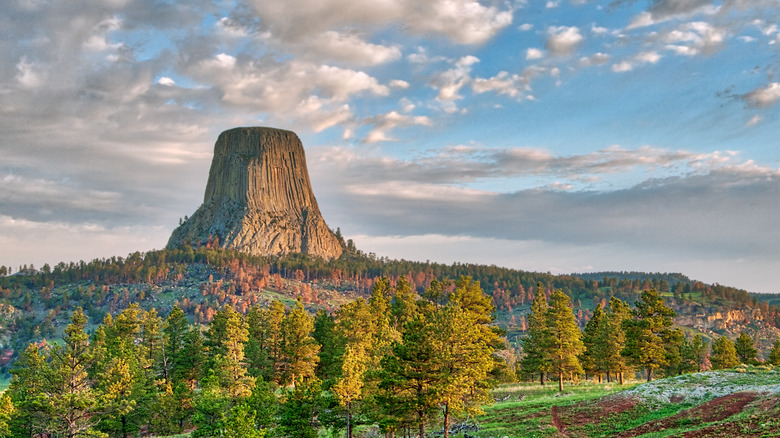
(618, 340)
(397, 359)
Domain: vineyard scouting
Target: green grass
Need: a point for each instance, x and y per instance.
(530, 417)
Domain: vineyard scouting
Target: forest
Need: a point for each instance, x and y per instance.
(369, 343)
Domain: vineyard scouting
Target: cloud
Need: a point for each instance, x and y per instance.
(462, 21)
(695, 38)
(649, 57)
(685, 199)
(502, 83)
(533, 53)
(450, 82)
(763, 97)
(386, 122)
(563, 40)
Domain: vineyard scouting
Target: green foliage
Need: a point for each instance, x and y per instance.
(724, 354)
(774, 355)
(566, 343)
(538, 339)
(300, 408)
(648, 336)
(745, 349)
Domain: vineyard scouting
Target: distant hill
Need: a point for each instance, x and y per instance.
(36, 303)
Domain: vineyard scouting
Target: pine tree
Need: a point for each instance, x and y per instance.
(410, 375)
(74, 403)
(646, 334)
(566, 337)
(745, 349)
(27, 392)
(724, 354)
(774, 354)
(591, 357)
(612, 338)
(225, 339)
(299, 349)
(538, 338)
(349, 387)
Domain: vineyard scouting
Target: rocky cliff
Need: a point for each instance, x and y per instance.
(259, 198)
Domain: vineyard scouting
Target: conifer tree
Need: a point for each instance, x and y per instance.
(774, 354)
(612, 338)
(299, 349)
(410, 375)
(225, 339)
(724, 354)
(566, 337)
(538, 338)
(746, 352)
(646, 333)
(75, 405)
(592, 357)
(28, 395)
(349, 387)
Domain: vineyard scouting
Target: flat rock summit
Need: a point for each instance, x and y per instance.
(259, 199)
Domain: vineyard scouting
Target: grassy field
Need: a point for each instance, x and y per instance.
(744, 402)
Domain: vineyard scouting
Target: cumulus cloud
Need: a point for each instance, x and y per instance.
(563, 40)
(533, 53)
(763, 97)
(387, 122)
(649, 57)
(463, 21)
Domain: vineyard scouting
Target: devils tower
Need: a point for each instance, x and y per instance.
(259, 199)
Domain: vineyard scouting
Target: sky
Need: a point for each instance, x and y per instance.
(558, 136)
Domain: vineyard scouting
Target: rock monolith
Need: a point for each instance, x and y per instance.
(259, 199)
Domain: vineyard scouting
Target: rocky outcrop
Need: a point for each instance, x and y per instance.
(259, 198)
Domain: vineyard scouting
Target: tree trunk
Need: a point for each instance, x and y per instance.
(600, 377)
(560, 382)
(609, 378)
(349, 418)
(621, 377)
(649, 374)
(422, 428)
(541, 378)
(447, 420)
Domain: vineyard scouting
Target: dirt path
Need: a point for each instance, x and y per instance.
(556, 419)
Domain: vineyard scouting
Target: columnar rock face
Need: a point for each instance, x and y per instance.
(259, 198)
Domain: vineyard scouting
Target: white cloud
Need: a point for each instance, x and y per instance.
(389, 121)
(450, 82)
(763, 97)
(350, 48)
(595, 59)
(462, 21)
(533, 53)
(502, 83)
(563, 40)
(168, 82)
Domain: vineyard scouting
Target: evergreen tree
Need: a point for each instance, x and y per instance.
(225, 339)
(174, 331)
(538, 338)
(28, 395)
(410, 375)
(299, 348)
(724, 354)
(300, 409)
(591, 358)
(349, 387)
(745, 349)
(612, 338)
(75, 405)
(566, 337)
(774, 354)
(647, 334)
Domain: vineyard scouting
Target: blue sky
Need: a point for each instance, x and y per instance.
(561, 136)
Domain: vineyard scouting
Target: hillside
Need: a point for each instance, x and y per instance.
(37, 302)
